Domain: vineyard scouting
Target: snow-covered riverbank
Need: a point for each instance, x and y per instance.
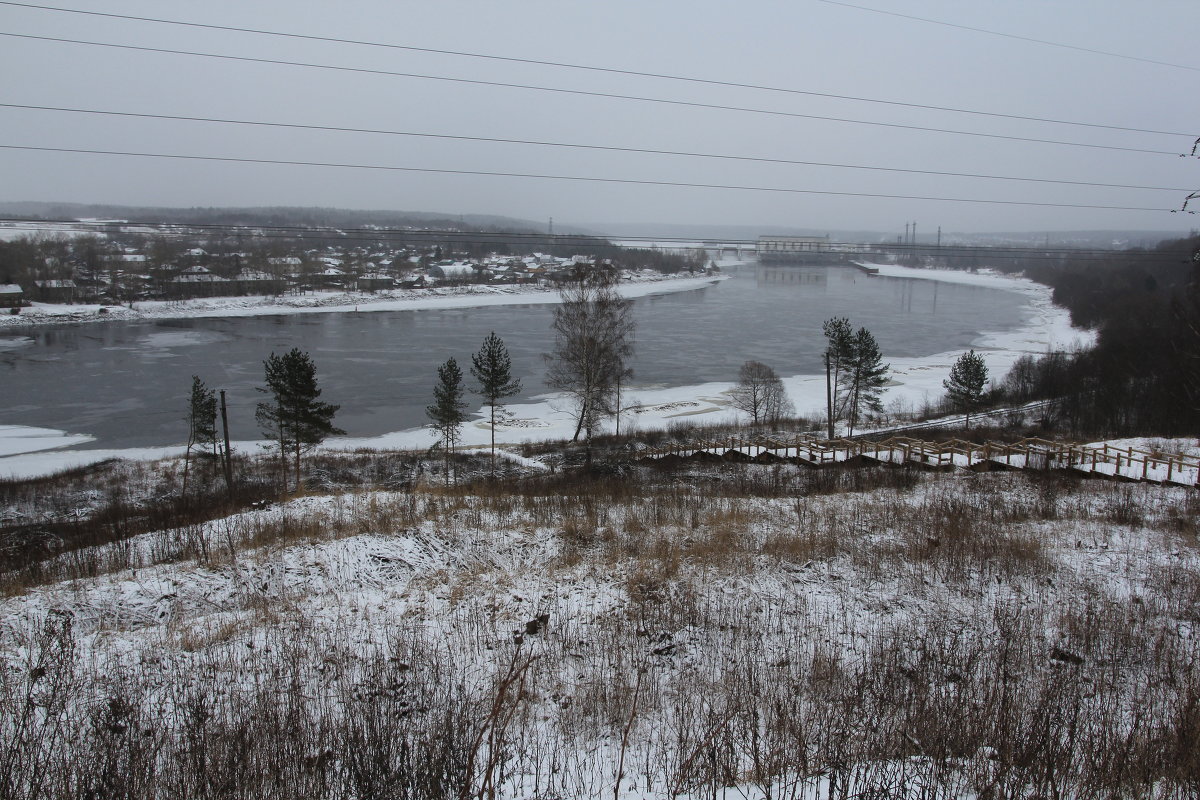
(334, 302)
(914, 380)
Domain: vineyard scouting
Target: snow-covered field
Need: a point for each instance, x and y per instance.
(914, 380)
(996, 635)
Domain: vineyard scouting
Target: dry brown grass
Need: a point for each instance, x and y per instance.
(1003, 635)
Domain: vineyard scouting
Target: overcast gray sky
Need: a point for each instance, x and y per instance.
(806, 45)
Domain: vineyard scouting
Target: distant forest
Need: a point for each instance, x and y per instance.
(271, 215)
(1143, 375)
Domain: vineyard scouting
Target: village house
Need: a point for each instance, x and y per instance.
(374, 282)
(457, 271)
(252, 281)
(197, 281)
(330, 278)
(11, 296)
(55, 291)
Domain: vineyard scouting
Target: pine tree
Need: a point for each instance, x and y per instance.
(294, 418)
(968, 376)
(448, 410)
(838, 351)
(866, 375)
(492, 367)
(202, 423)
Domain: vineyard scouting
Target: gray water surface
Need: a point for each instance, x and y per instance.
(127, 383)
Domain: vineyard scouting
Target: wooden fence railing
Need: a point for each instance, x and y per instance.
(1127, 462)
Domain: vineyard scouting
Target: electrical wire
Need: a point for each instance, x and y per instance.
(573, 145)
(585, 93)
(1011, 36)
(606, 70)
(579, 178)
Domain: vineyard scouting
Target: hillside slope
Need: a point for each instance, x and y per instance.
(883, 630)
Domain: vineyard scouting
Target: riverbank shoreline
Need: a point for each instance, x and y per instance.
(547, 417)
(333, 302)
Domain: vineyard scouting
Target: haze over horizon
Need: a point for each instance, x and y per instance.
(420, 117)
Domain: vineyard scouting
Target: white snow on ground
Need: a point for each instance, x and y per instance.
(914, 380)
(27, 464)
(333, 302)
(1164, 446)
(461, 578)
(531, 463)
(18, 230)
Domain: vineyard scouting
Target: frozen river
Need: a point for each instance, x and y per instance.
(126, 383)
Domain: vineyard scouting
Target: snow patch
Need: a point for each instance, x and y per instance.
(22, 439)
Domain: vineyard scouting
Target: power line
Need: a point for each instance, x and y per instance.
(590, 68)
(581, 178)
(585, 93)
(574, 145)
(1012, 36)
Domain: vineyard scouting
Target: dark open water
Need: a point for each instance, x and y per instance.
(127, 383)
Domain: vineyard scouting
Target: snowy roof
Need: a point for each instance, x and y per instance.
(10, 288)
(195, 278)
(289, 260)
(253, 275)
(196, 270)
(68, 284)
(453, 270)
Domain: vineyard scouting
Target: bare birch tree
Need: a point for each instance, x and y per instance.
(760, 393)
(593, 342)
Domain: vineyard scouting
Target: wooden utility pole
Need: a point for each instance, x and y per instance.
(228, 455)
